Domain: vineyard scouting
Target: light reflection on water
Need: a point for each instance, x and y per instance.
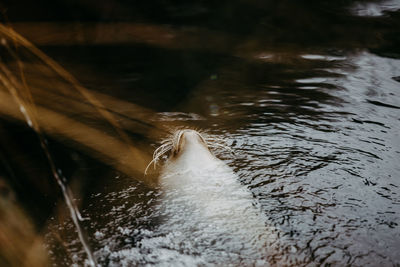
(315, 133)
(325, 170)
(375, 9)
(332, 184)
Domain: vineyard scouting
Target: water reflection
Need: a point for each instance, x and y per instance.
(321, 160)
(323, 166)
(309, 105)
(371, 9)
(320, 168)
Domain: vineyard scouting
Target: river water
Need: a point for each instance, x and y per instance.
(307, 96)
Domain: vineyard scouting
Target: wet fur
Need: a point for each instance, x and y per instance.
(202, 194)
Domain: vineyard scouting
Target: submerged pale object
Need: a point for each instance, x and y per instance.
(216, 216)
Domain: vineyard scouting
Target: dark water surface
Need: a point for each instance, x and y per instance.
(306, 94)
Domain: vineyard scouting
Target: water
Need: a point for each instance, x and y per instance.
(310, 105)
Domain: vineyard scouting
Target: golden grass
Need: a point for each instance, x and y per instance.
(55, 108)
(19, 243)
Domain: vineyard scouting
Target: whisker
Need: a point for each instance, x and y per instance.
(152, 161)
(171, 143)
(160, 148)
(158, 153)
